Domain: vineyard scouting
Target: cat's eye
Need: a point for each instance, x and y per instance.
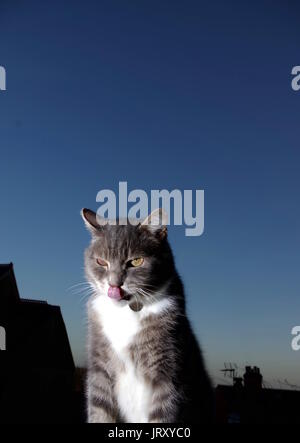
(136, 262)
(102, 262)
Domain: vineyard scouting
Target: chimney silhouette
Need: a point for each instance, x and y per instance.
(253, 378)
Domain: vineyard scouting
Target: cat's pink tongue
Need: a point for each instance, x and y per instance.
(115, 292)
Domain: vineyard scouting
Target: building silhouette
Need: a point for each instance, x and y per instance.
(37, 367)
(247, 401)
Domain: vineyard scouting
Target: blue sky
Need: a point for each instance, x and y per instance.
(187, 95)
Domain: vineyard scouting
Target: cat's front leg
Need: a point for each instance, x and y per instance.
(164, 405)
(101, 402)
(98, 412)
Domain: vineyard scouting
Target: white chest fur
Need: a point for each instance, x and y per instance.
(120, 324)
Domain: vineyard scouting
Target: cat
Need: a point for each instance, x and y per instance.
(144, 363)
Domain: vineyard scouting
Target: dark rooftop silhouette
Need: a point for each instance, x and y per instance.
(37, 367)
(8, 284)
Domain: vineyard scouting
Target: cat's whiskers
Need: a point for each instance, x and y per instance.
(153, 296)
(80, 291)
(148, 295)
(83, 290)
(137, 291)
(84, 283)
(78, 288)
(85, 296)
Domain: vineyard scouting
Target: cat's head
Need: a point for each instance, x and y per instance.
(129, 263)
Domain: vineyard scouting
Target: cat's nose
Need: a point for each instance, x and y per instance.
(115, 280)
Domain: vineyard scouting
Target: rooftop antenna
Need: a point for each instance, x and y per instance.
(229, 369)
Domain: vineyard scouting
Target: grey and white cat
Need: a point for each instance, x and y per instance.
(144, 363)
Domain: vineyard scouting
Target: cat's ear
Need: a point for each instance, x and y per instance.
(90, 220)
(157, 222)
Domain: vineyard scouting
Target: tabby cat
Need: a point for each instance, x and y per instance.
(144, 363)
